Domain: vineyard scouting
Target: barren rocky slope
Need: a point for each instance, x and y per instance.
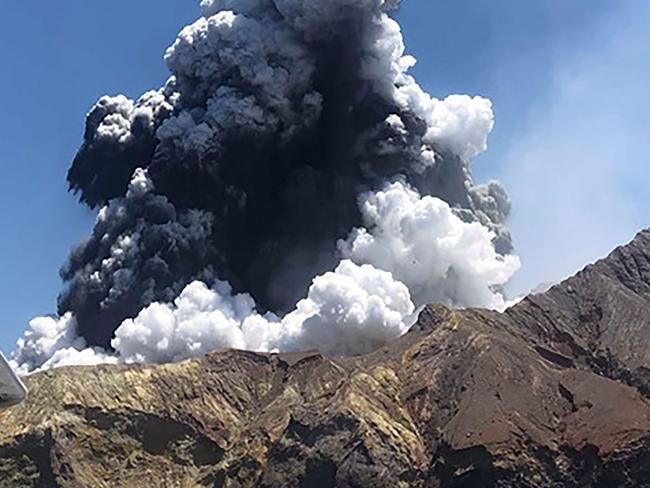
(555, 392)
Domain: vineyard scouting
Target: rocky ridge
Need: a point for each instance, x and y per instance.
(555, 392)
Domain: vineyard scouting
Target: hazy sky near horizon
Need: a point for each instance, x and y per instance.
(568, 80)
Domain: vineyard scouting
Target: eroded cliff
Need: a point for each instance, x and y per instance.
(554, 392)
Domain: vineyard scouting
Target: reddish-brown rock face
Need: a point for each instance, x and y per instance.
(554, 392)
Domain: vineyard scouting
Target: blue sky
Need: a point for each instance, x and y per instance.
(568, 80)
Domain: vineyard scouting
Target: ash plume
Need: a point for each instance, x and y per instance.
(290, 186)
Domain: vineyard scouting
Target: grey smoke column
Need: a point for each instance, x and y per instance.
(250, 160)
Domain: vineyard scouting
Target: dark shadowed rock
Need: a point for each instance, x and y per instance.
(553, 393)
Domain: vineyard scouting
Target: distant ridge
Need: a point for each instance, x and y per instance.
(555, 392)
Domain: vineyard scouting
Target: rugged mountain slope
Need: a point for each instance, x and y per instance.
(554, 392)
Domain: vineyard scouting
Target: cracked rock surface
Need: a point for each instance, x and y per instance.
(555, 392)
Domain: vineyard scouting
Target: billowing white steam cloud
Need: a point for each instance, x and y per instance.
(427, 247)
(414, 251)
(53, 342)
(351, 310)
(151, 275)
